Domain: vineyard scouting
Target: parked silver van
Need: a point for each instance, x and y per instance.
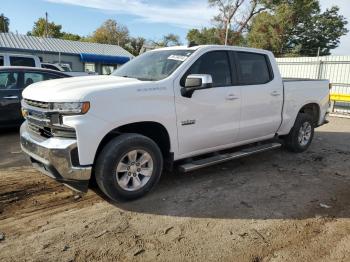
(19, 60)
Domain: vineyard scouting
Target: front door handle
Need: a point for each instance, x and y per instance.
(10, 97)
(231, 97)
(275, 93)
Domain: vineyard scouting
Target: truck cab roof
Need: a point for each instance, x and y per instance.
(216, 47)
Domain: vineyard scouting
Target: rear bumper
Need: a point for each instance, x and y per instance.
(53, 157)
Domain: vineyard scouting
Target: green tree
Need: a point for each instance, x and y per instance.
(168, 40)
(205, 36)
(53, 30)
(4, 24)
(214, 36)
(110, 32)
(271, 31)
(134, 45)
(322, 32)
(297, 27)
(70, 36)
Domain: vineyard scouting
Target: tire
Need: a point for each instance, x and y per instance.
(293, 142)
(119, 171)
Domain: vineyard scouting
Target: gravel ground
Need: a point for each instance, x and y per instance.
(275, 206)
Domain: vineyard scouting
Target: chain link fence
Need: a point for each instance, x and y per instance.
(334, 68)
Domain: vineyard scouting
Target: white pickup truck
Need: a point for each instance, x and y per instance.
(188, 107)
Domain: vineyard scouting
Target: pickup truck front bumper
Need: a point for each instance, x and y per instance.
(55, 157)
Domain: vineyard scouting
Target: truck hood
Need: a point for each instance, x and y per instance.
(74, 88)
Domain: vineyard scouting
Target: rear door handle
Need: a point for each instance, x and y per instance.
(231, 97)
(275, 93)
(10, 97)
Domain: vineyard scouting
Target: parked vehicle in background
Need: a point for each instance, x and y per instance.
(189, 106)
(78, 73)
(19, 60)
(65, 68)
(55, 67)
(12, 82)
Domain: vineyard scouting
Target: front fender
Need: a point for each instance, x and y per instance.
(113, 108)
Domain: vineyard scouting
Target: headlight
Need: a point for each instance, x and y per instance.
(71, 108)
(24, 112)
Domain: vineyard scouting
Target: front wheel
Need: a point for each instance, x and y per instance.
(128, 167)
(301, 135)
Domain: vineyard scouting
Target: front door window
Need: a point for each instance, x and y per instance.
(8, 81)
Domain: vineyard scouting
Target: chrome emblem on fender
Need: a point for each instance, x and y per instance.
(188, 122)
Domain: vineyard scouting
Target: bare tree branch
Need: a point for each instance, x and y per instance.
(253, 11)
(230, 15)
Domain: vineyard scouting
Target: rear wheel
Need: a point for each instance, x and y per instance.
(128, 167)
(301, 135)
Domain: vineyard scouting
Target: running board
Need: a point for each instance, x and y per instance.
(213, 160)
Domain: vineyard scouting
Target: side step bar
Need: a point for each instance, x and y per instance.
(213, 160)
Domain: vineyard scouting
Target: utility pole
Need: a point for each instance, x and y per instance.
(227, 27)
(318, 52)
(46, 25)
(3, 23)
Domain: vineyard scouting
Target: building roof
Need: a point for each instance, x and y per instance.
(34, 43)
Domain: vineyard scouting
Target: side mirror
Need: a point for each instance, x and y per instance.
(196, 82)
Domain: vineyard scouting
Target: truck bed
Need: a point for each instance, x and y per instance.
(290, 79)
(297, 93)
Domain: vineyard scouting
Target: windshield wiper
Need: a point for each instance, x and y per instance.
(144, 79)
(139, 78)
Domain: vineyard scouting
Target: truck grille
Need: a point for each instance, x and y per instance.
(41, 131)
(38, 104)
(45, 129)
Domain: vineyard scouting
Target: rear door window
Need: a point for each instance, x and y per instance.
(30, 78)
(254, 69)
(22, 61)
(1, 61)
(51, 76)
(8, 81)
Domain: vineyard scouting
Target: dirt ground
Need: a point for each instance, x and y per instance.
(275, 206)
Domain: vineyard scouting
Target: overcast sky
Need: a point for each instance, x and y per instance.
(150, 19)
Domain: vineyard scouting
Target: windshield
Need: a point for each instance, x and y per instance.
(154, 65)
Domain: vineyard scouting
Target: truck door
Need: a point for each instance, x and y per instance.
(262, 96)
(10, 98)
(211, 117)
